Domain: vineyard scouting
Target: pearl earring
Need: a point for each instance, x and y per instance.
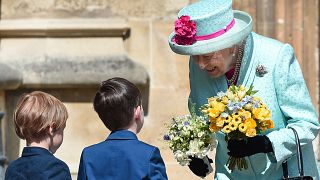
(234, 52)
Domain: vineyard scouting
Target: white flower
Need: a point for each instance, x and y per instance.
(224, 115)
(241, 94)
(220, 94)
(200, 134)
(194, 146)
(181, 157)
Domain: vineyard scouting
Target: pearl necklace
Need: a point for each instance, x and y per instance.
(235, 75)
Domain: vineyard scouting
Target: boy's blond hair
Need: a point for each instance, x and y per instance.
(35, 113)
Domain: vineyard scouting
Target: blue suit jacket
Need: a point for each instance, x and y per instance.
(122, 156)
(37, 163)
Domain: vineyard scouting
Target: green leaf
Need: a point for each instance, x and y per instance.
(192, 107)
(254, 92)
(251, 91)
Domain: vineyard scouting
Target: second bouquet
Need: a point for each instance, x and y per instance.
(239, 115)
(189, 136)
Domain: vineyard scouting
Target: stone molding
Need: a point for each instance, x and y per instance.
(34, 28)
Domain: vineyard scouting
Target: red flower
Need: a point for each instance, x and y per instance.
(185, 30)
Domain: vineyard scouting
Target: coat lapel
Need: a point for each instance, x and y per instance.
(248, 66)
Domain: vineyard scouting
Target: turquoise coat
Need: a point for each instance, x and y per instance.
(284, 91)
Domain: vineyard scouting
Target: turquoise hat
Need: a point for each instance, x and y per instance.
(207, 26)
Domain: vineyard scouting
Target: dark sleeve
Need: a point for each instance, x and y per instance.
(157, 169)
(82, 175)
(12, 174)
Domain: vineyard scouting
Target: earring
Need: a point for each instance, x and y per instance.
(234, 52)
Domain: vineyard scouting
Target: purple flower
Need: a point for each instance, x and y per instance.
(186, 123)
(234, 107)
(166, 137)
(247, 99)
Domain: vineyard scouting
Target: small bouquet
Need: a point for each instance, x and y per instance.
(189, 136)
(239, 115)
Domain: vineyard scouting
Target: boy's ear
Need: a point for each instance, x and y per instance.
(137, 113)
(51, 130)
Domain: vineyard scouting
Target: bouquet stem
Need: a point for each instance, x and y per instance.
(234, 162)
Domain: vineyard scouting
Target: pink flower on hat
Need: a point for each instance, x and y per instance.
(185, 30)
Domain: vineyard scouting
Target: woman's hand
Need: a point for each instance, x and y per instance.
(199, 167)
(251, 146)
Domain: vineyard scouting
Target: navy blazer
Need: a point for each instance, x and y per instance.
(122, 157)
(37, 163)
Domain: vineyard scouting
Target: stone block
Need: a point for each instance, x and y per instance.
(10, 78)
(138, 45)
(89, 8)
(169, 69)
(70, 62)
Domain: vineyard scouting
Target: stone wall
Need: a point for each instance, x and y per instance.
(144, 9)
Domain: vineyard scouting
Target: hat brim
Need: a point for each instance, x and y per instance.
(240, 30)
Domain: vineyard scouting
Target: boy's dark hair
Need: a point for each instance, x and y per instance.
(115, 102)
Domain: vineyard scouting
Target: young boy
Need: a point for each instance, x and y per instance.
(121, 156)
(40, 119)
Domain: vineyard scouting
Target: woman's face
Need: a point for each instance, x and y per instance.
(216, 63)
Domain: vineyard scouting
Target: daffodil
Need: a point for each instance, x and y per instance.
(237, 119)
(256, 99)
(212, 119)
(242, 127)
(268, 124)
(242, 88)
(220, 107)
(248, 106)
(220, 121)
(244, 114)
(241, 93)
(251, 123)
(214, 113)
(212, 102)
(226, 129)
(233, 125)
(230, 95)
(214, 128)
(251, 132)
(211, 99)
(205, 111)
(261, 113)
(228, 119)
(224, 100)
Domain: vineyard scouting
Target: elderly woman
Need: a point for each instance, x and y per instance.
(224, 51)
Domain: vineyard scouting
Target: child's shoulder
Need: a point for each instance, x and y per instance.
(36, 163)
(124, 145)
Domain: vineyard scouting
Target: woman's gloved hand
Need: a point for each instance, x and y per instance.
(199, 167)
(251, 146)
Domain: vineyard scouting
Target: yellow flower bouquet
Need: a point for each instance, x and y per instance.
(239, 115)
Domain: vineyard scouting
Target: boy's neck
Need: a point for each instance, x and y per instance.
(43, 144)
(132, 129)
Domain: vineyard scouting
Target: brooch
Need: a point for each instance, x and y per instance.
(261, 70)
